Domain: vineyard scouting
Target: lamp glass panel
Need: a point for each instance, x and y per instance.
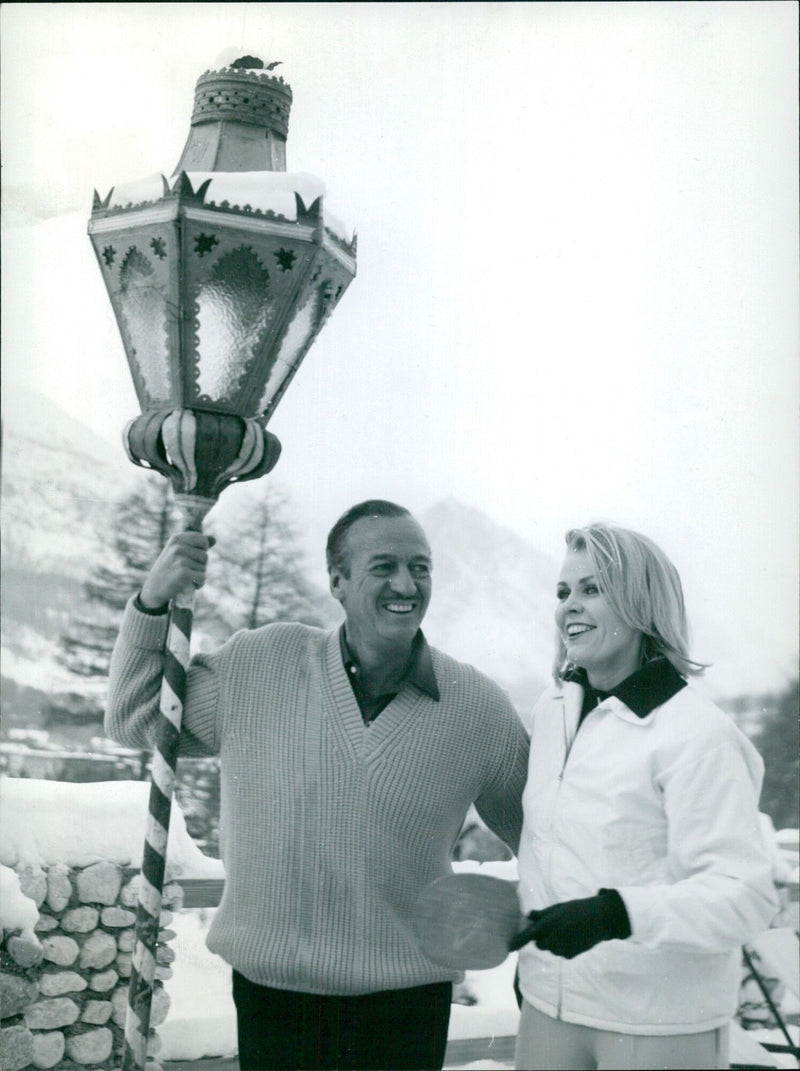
(299, 333)
(234, 313)
(143, 311)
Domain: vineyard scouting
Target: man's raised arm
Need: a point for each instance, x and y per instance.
(137, 662)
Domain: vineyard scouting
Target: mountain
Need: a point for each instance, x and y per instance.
(492, 601)
(60, 483)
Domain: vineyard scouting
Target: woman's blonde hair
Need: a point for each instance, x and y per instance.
(643, 588)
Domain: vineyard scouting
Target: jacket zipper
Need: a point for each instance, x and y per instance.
(564, 764)
(567, 743)
(567, 748)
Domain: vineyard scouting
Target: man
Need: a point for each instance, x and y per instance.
(348, 762)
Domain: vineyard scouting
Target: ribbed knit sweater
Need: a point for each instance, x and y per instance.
(329, 829)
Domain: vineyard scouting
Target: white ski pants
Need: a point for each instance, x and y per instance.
(545, 1044)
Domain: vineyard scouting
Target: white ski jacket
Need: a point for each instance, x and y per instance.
(664, 809)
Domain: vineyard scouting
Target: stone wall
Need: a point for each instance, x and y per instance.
(63, 996)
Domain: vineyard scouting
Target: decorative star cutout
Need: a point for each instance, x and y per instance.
(204, 243)
(108, 255)
(285, 259)
(158, 247)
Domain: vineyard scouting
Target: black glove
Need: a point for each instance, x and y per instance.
(575, 926)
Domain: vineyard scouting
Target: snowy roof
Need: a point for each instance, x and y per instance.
(47, 822)
(262, 191)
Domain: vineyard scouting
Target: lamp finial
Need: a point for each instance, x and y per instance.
(240, 119)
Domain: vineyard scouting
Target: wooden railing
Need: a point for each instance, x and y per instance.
(201, 892)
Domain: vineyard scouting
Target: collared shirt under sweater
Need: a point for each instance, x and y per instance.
(419, 672)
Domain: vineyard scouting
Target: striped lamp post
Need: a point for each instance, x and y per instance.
(220, 278)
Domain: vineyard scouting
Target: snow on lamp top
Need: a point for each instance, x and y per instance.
(271, 193)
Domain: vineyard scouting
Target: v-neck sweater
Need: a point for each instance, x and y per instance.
(329, 828)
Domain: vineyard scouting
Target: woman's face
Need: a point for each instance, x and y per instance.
(596, 638)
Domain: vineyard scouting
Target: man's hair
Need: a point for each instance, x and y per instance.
(335, 551)
(642, 586)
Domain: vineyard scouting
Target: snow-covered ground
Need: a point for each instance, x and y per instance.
(202, 1018)
(17, 911)
(47, 822)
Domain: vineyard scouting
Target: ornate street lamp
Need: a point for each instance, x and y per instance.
(220, 278)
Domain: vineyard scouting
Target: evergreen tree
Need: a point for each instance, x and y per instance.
(777, 740)
(256, 572)
(141, 526)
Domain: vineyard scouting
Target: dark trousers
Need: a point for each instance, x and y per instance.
(387, 1031)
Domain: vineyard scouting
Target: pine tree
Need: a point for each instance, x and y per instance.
(141, 526)
(256, 571)
(777, 740)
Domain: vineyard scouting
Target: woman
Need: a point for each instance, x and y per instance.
(641, 864)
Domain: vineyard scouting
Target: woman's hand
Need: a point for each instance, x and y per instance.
(179, 566)
(574, 926)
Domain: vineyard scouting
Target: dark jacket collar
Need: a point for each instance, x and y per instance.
(647, 688)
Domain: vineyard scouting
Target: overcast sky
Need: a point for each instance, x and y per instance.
(577, 290)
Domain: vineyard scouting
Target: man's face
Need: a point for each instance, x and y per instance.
(389, 587)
